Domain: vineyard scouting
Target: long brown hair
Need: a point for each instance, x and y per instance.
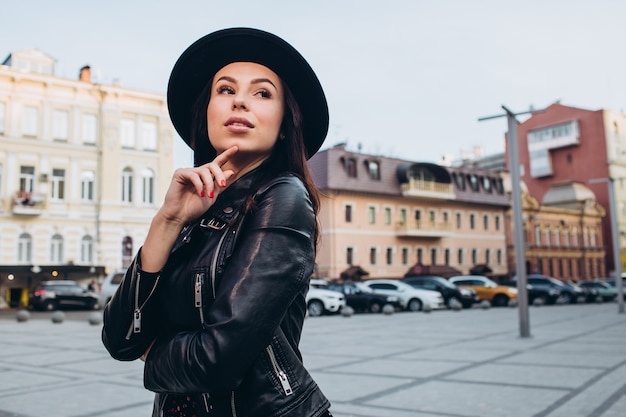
(288, 156)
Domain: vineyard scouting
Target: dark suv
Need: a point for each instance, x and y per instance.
(569, 294)
(53, 295)
(466, 296)
(361, 298)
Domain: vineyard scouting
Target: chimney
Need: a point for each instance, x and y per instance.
(85, 74)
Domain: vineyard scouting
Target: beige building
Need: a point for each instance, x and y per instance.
(83, 168)
(386, 215)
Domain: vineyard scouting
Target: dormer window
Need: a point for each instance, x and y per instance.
(487, 184)
(373, 169)
(473, 180)
(349, 165)
(459, 180)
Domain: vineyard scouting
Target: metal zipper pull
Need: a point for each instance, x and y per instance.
(285, 383)
(197, 296)
(137, 321)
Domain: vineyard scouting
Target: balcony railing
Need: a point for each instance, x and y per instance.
(427, 189)
(28, 204)
(424, 229)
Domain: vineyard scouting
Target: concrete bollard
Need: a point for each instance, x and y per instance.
(388, 309)
(57, 317)
(347, 311)
(485, 305)
(95, 319)
(22, 316)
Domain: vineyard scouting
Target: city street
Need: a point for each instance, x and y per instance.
(469, 363)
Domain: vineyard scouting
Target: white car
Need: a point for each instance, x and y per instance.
(110, 284)
(320, 301)
(411, 298)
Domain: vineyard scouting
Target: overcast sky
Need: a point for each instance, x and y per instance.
(406, 79)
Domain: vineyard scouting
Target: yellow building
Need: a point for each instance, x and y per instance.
(386, 215)
(83, 168)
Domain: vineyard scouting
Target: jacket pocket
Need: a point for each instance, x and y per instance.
(279, 371)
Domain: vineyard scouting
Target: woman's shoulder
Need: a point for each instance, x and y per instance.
(284, 184)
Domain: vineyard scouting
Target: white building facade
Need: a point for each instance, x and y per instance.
(83, 169)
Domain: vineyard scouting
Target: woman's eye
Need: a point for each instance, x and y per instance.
(224, 89)
(264, 94)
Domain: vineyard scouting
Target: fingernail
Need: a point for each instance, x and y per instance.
(201, 193)
(211, 194)
(223, 183)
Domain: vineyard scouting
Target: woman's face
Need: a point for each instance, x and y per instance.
(245, 109)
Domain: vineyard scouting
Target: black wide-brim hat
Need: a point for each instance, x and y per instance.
(201, 61)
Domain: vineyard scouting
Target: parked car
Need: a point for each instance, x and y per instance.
(604, 290)
(466, 296)
(613, 283)
(410, 298)
(62, 294)
(361, 298)
(543, 295)
(584, 294)
(487, 290)
(322, 301)
(569, 294)
(110, 284)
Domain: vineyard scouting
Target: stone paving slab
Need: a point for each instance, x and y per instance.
(470, 363)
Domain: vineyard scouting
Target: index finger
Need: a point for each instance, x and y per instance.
(222, 158)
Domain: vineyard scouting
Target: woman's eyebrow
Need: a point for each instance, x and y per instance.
(254, 81)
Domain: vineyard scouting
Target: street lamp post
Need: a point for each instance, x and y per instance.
(518, 227)
(617, 261)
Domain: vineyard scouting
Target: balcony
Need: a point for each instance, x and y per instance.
(427, 189)
(28, 204)
(424, 229)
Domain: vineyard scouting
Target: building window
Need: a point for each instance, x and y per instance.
(537, 235)
(446, 216)
(446, 256)
(418, 217)
(147, 179)
(127, 185)
(3, 118)
(373, 170)
(25, 248)
(371, 215)
(389, 256)
(459, 221)
(472, 221)
(149, 136)
(27, 179)
(547, 236)
(433, 256)
(486, 222)
(497, 222)
(373, 256)
(557, 237)
(405, 256)
(487, 184)
(1, 176)
(86, 250)
(350, 256)
(487, 256)
(127, 133)
(387, 215)
(459, 256)
(30, 121)
(566, 241)
(420, 256)
(60, 125)
(57, 186)
(474, 256)
(402, 216)
(56, 249)
(87, 181)
(431, 216)
(575, 237)
(89, 129)
(348, 211)
(350, 164)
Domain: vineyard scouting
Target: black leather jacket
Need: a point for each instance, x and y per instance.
(227, 309)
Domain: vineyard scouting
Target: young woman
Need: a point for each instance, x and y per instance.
(214, 301)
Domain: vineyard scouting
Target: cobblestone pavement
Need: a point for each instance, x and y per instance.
(441, 364)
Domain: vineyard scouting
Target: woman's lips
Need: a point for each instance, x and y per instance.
(238, 125)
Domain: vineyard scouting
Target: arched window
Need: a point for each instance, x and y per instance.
(127, 185)
(87, 181)
(147, 182)
(56, 249)
(86, 250)
(127, 251)
(25, 248)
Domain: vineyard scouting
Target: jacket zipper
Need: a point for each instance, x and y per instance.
(232, 404)
(197, 296)
(282, 377)
(214, 261)
(135, 325)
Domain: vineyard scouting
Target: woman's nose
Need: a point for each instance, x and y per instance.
(239, 103)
